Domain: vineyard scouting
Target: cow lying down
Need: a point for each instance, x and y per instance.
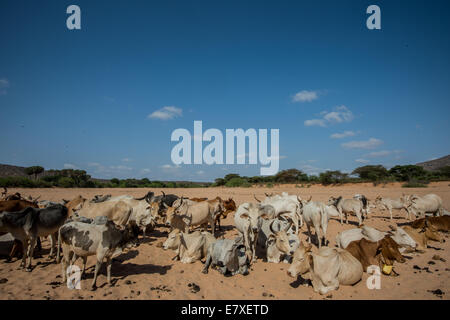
(229, 255)
(78, 239)
(189, 247)
(328, 269)
(380, 253)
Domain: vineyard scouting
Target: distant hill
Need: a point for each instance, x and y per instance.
(435, 164)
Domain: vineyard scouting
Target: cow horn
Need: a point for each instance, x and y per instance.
(164, 195)
(270, 226)
(256, 198)
(310, 197)
(141, 198)
(290, 224)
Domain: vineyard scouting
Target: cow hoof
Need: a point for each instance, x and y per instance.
(28, 269)
(205, 271)
(93, 288)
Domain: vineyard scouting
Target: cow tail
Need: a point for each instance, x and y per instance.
(58, 257)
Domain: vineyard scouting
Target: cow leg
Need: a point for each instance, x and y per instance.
(17, 245)
(309, 232)
(108, 270)
(390, 211)
(97, 268)
(318, 235)
(52, 244)
(31, 246)
(212, 223)
(324, 224)
(207, 263)
(84, 265)
(25, 244)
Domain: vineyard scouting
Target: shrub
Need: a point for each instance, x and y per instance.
(238, 182)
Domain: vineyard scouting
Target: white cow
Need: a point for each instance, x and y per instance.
(430, 203)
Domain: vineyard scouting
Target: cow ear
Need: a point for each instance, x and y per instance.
(393, 227)
(309, 247)
(264, 216)
(244, 215)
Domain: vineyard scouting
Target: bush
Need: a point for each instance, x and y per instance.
(238, 182)
(66, 182)
(415, 184)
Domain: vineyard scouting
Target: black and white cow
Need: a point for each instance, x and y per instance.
(29, 224)
(78, 239)
(229, 255)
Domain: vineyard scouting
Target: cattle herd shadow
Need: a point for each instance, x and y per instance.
(131, 254)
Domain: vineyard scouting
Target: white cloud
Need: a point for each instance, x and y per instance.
(166, 113)
(200, 172)
(70, 166)
(170, 167)
(362, 161)
(368, 144)
(343, 135)
(145, 170)
(121, 168)
(305, 96)
(315, 122)
(339, 115)
(126, 160)
(4, 85)
(382, 153)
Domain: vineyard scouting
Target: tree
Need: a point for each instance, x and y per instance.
(372, 173)
(329, 177)
(34, 170)
(115, 181)
(408, 172)
(230, 176)
(290, 176)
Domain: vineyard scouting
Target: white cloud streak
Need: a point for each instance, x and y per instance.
(166, 113)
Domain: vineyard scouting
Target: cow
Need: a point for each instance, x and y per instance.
(83, 240)
(277, 242)
(31, 223)
(229, 206)
(381, 253)
(76, 202)
(198, 213)
(327, 269)
(189, 247)
(315, 214)
(229, 255)
(399, 235)
(347, 206)
(419, 206)
(162, 202)
(438, 223)
(422, 236)
(15, 206)
(286, 204)
(248, 221)
(121, 210)
(364, 201)
(389, 204)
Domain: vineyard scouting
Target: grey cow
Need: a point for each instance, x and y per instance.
(229, 255)
(83, 240)
(29, 224)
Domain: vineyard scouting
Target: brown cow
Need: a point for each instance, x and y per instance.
(439, 223)
(74, 203)
(230, 206)
(381, 253)
(15, 206)
(422, 236)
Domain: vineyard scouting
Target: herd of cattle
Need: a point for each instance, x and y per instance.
(268, 229)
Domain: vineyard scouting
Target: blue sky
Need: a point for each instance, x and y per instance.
(341, 95)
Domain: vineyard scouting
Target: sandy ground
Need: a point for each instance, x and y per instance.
(147, 272)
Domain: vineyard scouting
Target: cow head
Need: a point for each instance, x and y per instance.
(389, 251)
(253, 216)
(401, 237)
(333, 201)
(301, 261)
(172, 241)
(431, 232)
(280, 239)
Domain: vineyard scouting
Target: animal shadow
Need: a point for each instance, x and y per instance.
(299, 281)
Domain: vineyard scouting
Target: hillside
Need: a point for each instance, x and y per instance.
(435, 164)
